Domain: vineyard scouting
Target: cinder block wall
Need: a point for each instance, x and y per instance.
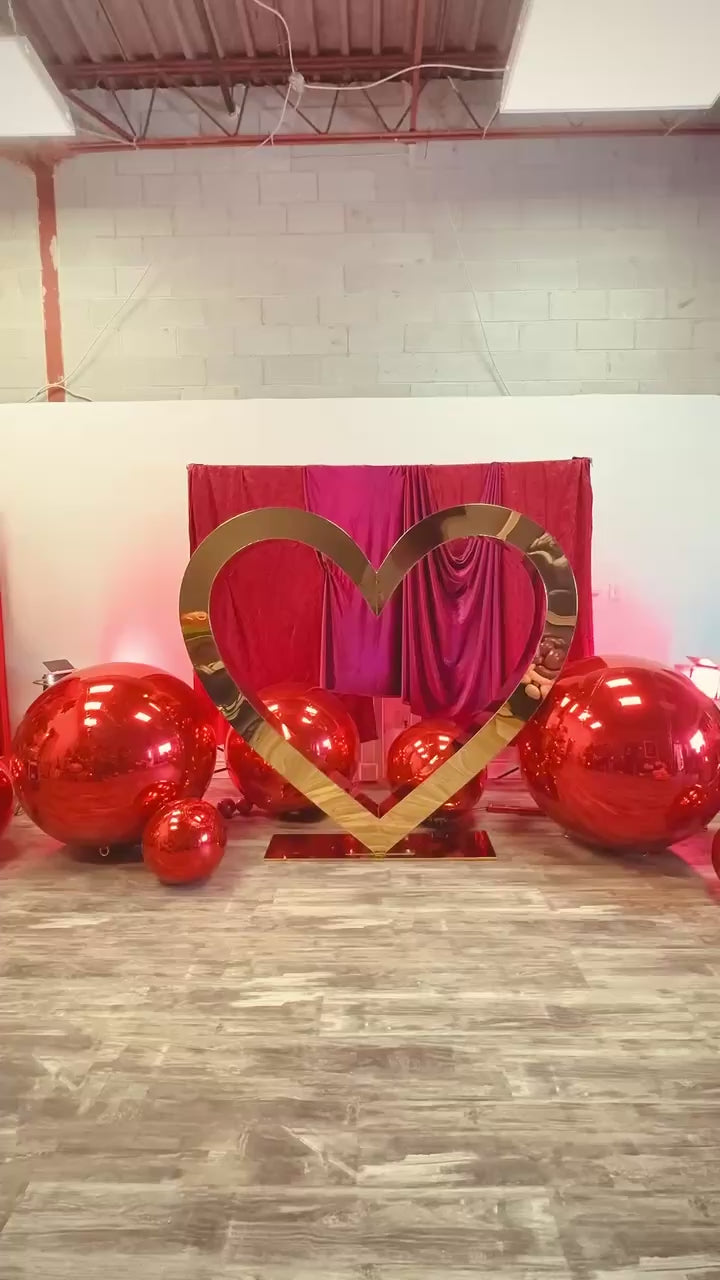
(350, 271)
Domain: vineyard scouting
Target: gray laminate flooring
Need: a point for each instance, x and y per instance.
(360, 1070)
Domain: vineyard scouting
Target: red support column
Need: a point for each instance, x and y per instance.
(47, 233)
(417, 58)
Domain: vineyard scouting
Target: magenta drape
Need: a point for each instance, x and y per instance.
(452, 640)
(458, 632)
(361, 653)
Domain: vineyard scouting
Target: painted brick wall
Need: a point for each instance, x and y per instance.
(328, 271)
(22, 349)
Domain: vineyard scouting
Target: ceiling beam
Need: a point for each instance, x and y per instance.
(215, 56)
(391, 137)
(102, 119)
(417, 58)
(266, 69)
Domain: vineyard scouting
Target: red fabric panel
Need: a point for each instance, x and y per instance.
(362, 653)
(558, 495)
(267, 603)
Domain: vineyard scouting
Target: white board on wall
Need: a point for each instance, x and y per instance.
(93, 506)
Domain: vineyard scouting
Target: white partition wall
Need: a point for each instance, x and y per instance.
(93, 506)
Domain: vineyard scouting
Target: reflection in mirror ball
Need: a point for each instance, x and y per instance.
(716, 853)
(419, 750)
(184, 841)
(624, 754)
(7, 799)
(314, 721)
(100, 751)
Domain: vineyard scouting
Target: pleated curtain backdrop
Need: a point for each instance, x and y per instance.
(452, 639)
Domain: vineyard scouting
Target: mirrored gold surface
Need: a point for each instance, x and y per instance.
(541, 556)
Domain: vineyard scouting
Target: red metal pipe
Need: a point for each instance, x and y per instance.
(99, 116)
(262, 69)
(417, 57)
(417, 135)
(47, 235)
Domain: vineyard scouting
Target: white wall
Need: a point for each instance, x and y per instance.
(93, 507)
(22, 349)
(322, 271)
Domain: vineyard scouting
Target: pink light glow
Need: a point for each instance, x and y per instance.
(631, 701)
(163, 748)
(90, 721)
(142, 715)
(620, 680)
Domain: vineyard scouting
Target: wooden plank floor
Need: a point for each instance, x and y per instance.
(361, 1070)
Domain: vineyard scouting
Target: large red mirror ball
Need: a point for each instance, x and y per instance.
(624, 754)
(315, 722)
(419, 750)
(7, 798)
(100, 751)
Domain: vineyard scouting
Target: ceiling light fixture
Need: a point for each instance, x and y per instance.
(31, 105)
(618, 55)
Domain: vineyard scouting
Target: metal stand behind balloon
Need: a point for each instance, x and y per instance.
(624, 754)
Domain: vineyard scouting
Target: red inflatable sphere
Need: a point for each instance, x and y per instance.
(317, 724)
(715, 853)
(184, 842)
(419, 750)
(7, 798)
(624, 754)
(103, 749)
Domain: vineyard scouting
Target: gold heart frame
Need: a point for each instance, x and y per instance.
(248, 716)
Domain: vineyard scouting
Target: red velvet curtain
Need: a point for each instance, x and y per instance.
(267, 603)
(465, 617)
(452, 641)
(559, 496)
(361, 653)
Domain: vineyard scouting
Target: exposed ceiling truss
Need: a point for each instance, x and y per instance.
(168, 73)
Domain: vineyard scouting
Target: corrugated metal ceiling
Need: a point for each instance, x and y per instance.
(100, 51)
(347, 37)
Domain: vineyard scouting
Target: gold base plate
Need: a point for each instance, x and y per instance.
(451, 845)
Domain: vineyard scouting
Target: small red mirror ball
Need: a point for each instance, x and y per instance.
(184, 842)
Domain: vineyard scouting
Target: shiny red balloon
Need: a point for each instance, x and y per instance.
(184, 841)
(715, 852)
(624, 754)
(101, 751)
(7, 798)
(419, 750)
(313, 720)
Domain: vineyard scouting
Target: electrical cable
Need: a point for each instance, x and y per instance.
(269, 9)
(500, 382)
(394, 75)
(373, 84)
(297, 82)
(62, 383)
